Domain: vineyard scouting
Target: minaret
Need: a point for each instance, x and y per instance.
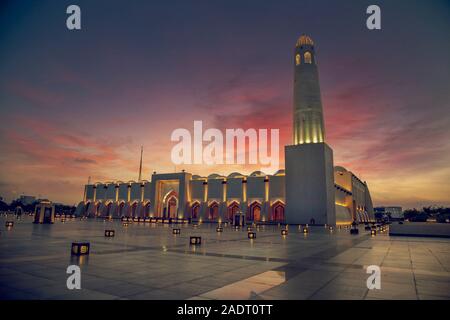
(308, 116)
(309, 179)
(140, 165)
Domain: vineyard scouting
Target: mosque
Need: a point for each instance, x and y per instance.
(311, 190)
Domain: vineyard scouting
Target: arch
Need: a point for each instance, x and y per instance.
(232, 209)
(308, 58)
(170, 205)
(213, 212)
(146, 209)
(133, 208)
(121, 209)
(108, 211)
(254, 211)
(297, 59)
(277, 211)
(195, 210)
(97, 208)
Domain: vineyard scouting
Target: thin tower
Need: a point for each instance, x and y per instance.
(309, 161)
(308, 114)
(140, 165)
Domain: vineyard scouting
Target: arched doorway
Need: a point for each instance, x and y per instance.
(97, 208)
(213, 211)
(133, 209)
(108, 209)
(195, 211)
(169, 205)
(147, 209)
(278, 212)
(121, 210)
(254, 212)
(233, 209)
(172, 205)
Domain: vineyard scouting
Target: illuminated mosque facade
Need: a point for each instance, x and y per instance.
(310, 190)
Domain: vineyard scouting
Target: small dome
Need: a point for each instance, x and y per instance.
(304, 40)
(257, 174)
(235, 175)
(214, 176)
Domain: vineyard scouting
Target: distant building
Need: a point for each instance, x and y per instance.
(392, 212)
(26, 200)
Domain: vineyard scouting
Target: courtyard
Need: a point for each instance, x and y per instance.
(147, 261)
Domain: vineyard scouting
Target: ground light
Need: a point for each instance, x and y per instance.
(252, 235)
(176, 231)
(9, 224)
(284, 232)
(219, 229)
(109, 233)
(195, 240)
(80, 248)
(373, 232)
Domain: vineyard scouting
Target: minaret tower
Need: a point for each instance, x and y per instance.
(308, 116)
(310, 197)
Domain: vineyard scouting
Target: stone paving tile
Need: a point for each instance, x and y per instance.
(148, 262)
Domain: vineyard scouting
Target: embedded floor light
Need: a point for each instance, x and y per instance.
(252, 235)
(80, 248)
(9, 224)
(195, 240)
(284, 232)
(109, 233)
(373, 232)
(305, 230)
(219, 229)
(176, 231)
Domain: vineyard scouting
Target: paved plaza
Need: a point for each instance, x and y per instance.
(146, 261)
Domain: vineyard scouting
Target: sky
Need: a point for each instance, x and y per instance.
(79, 104)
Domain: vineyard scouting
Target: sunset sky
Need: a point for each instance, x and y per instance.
(75, 104)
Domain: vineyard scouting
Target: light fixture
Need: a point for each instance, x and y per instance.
(219, 229)
(252, 235)
(373, 232)
(195, 240)
(284, 232)
(80, 248)
(176, 231)
(109, 233)
(305, 230)
(9, 224)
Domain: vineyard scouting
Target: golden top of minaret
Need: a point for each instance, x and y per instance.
(304, 40)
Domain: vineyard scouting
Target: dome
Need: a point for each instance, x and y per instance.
(235, 175)
(304, 40)
(214, 176)
(257, 174)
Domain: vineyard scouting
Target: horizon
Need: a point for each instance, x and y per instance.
(79, 105)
